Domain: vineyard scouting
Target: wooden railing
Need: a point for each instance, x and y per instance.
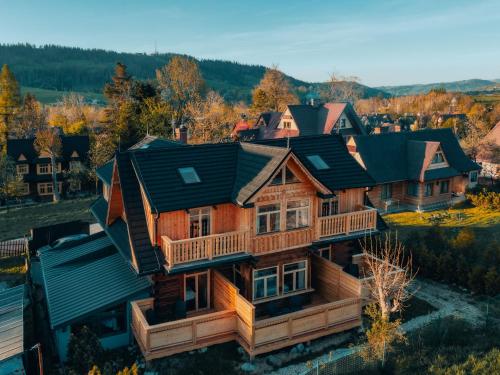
(207, 247)
(347, 223)
(265, 243)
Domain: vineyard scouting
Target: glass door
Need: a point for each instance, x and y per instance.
(199, 222)
(197, 291)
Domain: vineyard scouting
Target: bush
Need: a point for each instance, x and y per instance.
(84, 351)
(489, 200)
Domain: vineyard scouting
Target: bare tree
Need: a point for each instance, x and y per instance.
(343, 89)
(48, 142)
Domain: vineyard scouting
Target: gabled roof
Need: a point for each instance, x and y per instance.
(392, 157)
(490, 146)
(105, 172)
(78, 143)
(11, 322)
(88, 277)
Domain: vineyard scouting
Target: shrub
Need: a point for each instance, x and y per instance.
(488, 200)
(84, 351)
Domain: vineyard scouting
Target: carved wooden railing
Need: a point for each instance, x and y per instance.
(206, 247)
(265, 243)
(347, 223)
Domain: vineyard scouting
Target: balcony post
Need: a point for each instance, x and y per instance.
(348, 223)
(209, 248)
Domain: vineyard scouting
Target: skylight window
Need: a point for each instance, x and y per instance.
(189, 175)
(318, 162)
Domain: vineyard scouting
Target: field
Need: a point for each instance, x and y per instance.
(53, 96)
(486, 223)
(17, 222)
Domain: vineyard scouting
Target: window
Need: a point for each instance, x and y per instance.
(386, 192)
(189, 175)
(444, 187)
(342, 123)
(46, 168)
(196, 291)
(287, 124)
(473, 176)
(238, 278)
(325, 253)
(318, 162)
(329, 207)
(46, 188)
(294, 276)
(284, 176)
(265, 282)
(24, 189)
(199, 222)
(297, 214)
(22, 169)
(268, 218)
(428, 189)
(438, 158)
(75, 165)
(412, 189)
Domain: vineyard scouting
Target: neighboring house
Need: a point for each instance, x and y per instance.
(489, 154)
(243, 242)
(12, 330)
(37, 169)
(304, 120)
(90, 283)
(414, 170)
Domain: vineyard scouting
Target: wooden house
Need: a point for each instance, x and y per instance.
(243, 242)
(304, 120)
(489, 154)
(419, 170)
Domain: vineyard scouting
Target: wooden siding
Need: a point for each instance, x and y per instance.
(333, 283)
(150, 221)
(346, 223)
(115, 207)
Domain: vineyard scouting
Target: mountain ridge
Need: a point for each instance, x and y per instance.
(467, 85)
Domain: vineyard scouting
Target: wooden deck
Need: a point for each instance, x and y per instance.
(233, 318)
(344, 224)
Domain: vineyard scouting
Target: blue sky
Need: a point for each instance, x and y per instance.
(382, 42)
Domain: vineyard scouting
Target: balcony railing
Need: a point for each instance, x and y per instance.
(266, 243)
(203, 248)
(344, 224)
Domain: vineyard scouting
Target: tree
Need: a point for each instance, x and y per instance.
(155, 117)
(102, 148)
(343, 89)
(84, 351)
(120, 88)
(10, 181)
(48, 142)
(273, 93)
(69, 113)
(181, 84)
(10, 101)
(211, 119)
(32, 117)
(389, 274)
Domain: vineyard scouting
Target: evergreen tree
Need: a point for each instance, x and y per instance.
(10, 101)
(31, 118)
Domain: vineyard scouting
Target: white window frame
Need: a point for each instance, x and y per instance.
(43, 188)
(333, 206)
(297, 209)
(22, 169)
(200, 213)
(25, 190)
(441, 154)
(431, 184)
(281, 175)
(49, 168)
(294, 272)
(265, 278)
(268, 214)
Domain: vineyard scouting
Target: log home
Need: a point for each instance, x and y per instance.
(242, 241)
(419, 170)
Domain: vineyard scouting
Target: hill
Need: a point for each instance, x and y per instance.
(56, 69)
(456, 86)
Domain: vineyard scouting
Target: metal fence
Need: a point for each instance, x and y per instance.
(12, 248)
(350, 363)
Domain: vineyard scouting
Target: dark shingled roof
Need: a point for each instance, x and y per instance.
(105, 172)
(392, 157)
(78, 143)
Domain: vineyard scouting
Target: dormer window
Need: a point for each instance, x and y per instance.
(318, 162)
(189, 175)
(284, 176)
(438, 158)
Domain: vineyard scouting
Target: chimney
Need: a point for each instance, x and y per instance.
(376, 130)
(397, 128)
(183, 134)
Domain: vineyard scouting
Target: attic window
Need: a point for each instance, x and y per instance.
(318, 162)
(189, 175)
(438, 158)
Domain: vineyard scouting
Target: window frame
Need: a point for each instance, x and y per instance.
(49, 168)
(265, 278)
(386, 191)
(327, 249)
(196, 276)
(267, 214)
(296, 210)
(281, 177)
(410, 192)
(46, 184)
(185, 170)
(431, 192)
(26, 189)
(25, 169)
(444, 183)
(439, 154)
(200, 213)
(473, 179)
(331, 202)
(294, 279)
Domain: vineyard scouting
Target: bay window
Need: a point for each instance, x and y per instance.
(297, 214)
(268, 218)
(294, 276)
(265, 282)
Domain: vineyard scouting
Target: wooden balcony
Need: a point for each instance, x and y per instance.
(267, 243)
(344, 224)
(204, 248)
(233, 319)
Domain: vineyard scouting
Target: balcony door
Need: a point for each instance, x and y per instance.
(199, 222)
(197, 291)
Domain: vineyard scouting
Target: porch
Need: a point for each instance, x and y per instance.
(333, 307)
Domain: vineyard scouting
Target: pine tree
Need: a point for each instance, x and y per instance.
(10, 101)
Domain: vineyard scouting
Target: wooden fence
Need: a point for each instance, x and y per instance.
(12, 248)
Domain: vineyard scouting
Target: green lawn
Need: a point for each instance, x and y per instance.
(17, 222)
(53, 96)
(484, 222)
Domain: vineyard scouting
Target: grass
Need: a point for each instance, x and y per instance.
(17, 222)
(416, 307)
(53, 96)
(12, 271)
(485, 222)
